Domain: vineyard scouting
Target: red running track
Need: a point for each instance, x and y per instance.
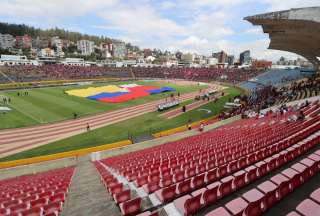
(20, 139)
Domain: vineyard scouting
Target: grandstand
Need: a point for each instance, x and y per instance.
(261, 157)
(266, 159)
(64, 72)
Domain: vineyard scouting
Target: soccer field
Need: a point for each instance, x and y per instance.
(119, 131)
(51, 104)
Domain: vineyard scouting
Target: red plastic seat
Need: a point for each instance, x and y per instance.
(122, 196)
(32, 212)
(293, 213)
(190, 172)
(60, 197)
(236, 206)
(53, 208)
(154, 177)
(192, 205)
(29, 199)
(212, 175)
(166, 194)
(219, 212)
(18, 208)
(253, 209)
(284, 189)
(253, 195)
(225, 188)
(198, 181)
(166, 181)
(180, 204)
(210, 195)
(3, 211)
(279, 178)
(116, 188)
(178, 176)
(184, 187)
(39, 202)
(201, 168)
(239, 180)
(262, 168)
(10, 203)
(211, 164)
(223, 171)
(242, 162)
(151, 187)
(141, 181)
(46, 194)
(308, 208)
(316, 195)
(131, 207)
(251, 174)
(232, 166)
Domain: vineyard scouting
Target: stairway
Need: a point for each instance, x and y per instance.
(87, 195)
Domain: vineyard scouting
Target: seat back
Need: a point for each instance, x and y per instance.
(239, 181)
(123, 196)
(210, 196)
(169, 193)
(225, 188)
(132, 206)
(116, 188)
(184, 187)
(192, 205)
(284, 189)
(198, 181)
(270, 199)
(212, 175)
(253, 209)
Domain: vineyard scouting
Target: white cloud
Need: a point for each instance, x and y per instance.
(196, 25)
(167, 5)
(275, 5)
(51, 9)
(254, 31)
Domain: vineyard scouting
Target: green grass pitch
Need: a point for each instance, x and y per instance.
(45, 105)
(135, 126)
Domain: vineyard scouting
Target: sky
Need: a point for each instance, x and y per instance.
(201, 26)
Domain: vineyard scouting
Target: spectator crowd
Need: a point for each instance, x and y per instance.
(60, 72)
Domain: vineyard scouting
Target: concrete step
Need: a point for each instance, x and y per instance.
(87, 195)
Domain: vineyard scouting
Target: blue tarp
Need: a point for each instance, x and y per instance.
(161, 90)
(106, 95)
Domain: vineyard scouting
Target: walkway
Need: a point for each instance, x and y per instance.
(87, 195)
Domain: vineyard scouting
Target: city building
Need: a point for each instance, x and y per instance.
(46, 52)
(230, 60)
(85, 47)
(73, 62)
(106, 50)
(40, 43)
(23, 42)
(221, 56)
(6, 41)
(261, 64)
(147, 52)
(57, 44)
(11, 60)
(212, 61)
(245, 57)
(119, 49)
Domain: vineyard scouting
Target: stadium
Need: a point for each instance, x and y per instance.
(165, 141)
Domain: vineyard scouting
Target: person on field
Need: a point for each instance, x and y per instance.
(189, 125)
(88, 127)
(201, 127)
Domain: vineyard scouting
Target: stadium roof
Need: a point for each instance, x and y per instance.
(296, 30)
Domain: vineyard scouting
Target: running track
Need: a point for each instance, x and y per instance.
(16, 140)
